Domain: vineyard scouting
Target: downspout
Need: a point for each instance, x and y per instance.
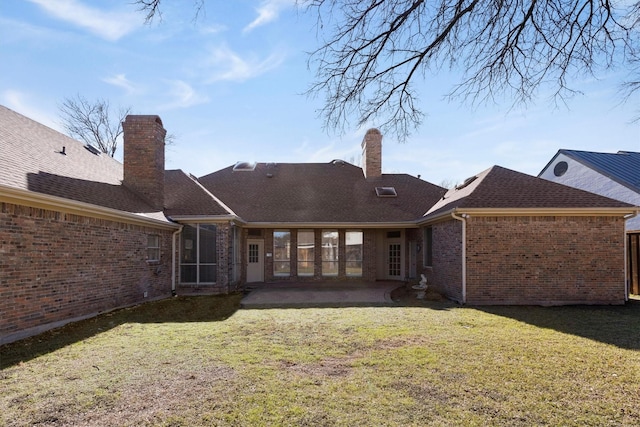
(463, 219)
(626, 255)
(173, 260)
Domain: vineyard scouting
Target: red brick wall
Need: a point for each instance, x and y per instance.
(445, 275)
(55, 267)
(144, 158)
(545, 260)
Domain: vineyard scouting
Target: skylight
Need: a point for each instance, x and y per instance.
(466, 182)
(244, 166)
(92, 149)
(386, 192)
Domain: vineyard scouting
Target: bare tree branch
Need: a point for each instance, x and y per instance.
(153, 10)
(92, 122)
(504, 48)
(372, 52)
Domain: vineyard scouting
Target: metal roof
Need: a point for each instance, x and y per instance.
(622, 167)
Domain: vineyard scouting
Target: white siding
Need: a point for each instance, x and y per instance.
(585, 178)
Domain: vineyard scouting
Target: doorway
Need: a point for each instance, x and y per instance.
(255, 261)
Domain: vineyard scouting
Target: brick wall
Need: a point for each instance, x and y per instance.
(545, 260)
(57, 267)
(372, 154)
(445, 275)
(144, 158)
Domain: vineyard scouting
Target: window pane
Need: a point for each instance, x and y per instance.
(188, 273)
(207, 273)
(207, 243)
(354, 253)
(330, 252)
(153, 247)
(189, 243)
(281, 253)
(306, 253)
(198, 255)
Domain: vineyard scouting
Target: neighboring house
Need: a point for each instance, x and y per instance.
(614, 175)
(82, 234)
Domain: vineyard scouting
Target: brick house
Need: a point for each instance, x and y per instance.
(81, 233)
(614, 175)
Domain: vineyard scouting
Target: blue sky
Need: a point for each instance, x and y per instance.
(229, 87)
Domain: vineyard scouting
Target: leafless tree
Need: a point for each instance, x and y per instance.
(152, 8)
(93, 122)
(372, 52)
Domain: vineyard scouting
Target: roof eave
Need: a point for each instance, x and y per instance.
(586, 211)
(340, 224)
(207, 218)
(44, 201)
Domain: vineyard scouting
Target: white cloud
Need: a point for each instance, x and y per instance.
(18, 101)
(230, 66)
(268, 11)
(183, 95)
(120, 80)
(108, 25)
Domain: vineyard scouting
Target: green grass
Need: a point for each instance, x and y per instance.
(203, 361)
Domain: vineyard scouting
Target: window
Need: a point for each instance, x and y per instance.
(354, 253)
(153, 247)
(306, 252)
(330, 252)
(244, 166)
(428, 247)
(281, 253)
(198, 254)
(386, 192)
(560, 168)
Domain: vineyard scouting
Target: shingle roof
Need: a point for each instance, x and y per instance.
(622, 167)
(319, 192)
(501, 188)
(183, 196)
(31, 159)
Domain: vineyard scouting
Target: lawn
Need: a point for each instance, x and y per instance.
(202, 361)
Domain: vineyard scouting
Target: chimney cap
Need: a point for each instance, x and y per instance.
(143, 118)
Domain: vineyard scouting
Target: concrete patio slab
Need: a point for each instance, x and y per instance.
(300, 295)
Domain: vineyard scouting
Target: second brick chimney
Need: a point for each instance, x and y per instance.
(144, 158)
(372, 154)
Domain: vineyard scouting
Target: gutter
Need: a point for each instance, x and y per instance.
(173, 259)
(463, 219)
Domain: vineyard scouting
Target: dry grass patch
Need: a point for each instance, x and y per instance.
(202, 361)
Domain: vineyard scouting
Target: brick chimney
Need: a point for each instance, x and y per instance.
(144, 158)
(372, 154)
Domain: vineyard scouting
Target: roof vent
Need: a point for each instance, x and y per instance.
(338, 162)
(466, 182)
(386, 192)
(244, 167)
(92, 149)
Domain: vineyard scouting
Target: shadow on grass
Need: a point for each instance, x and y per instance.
(173, 310)
(615, 325)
